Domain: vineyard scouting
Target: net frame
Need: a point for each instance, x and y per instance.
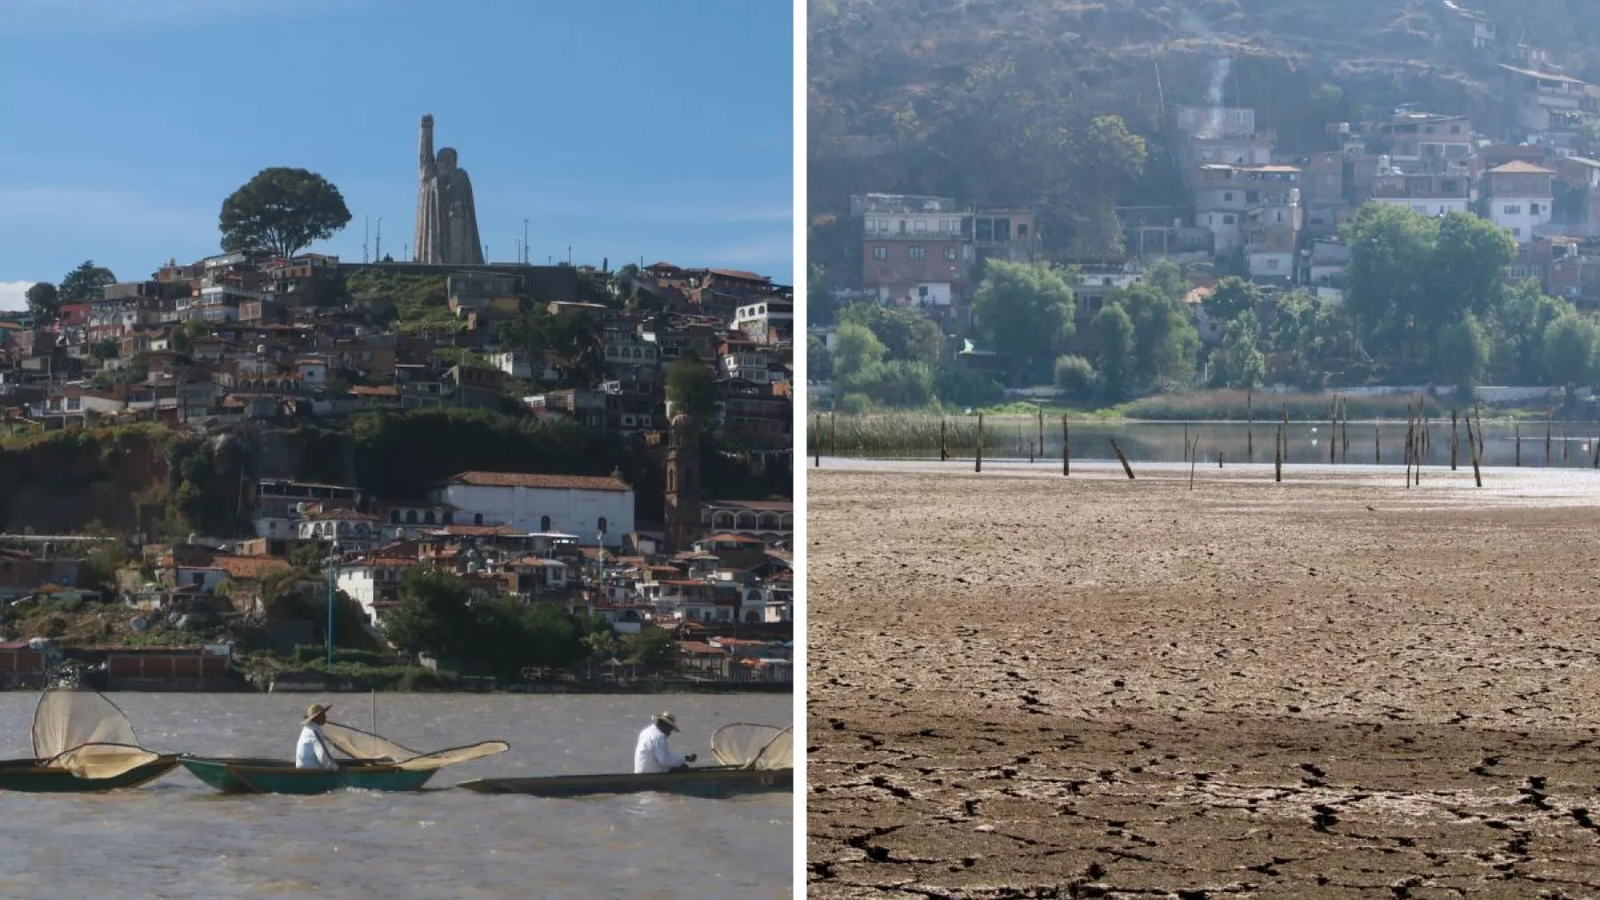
(58, 729)
(748, 745)
(364, 745)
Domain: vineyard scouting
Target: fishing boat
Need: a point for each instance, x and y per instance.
(276, 776)
(38, 777)
(754, 759)
(82, 743)
(375, 764)
(709, 782)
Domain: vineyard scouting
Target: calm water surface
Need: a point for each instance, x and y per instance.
(176, 838)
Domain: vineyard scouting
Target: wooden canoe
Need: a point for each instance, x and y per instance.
(275, 776)
(32, 776)
(707, 782)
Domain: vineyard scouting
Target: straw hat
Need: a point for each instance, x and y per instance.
(667, 720)
(314, 710)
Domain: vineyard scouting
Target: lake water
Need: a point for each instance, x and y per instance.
(1571, 445)
(176, 838)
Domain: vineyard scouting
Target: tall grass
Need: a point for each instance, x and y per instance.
(1011, 430)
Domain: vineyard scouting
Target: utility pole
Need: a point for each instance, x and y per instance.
(524, 241)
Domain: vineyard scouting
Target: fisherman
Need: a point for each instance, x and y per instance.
(312, 751)
(652, 755)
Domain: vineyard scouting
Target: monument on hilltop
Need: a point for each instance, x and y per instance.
(447, 220)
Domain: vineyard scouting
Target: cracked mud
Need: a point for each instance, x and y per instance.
(1085, 687)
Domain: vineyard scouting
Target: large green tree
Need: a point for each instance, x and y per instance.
(819, 362)
(433, 616)
(1113, 331)
(855, 348)
(1025, 310)
(690, 387)
(1166, 344)
(1570, 346)
(1232, 297)
(1464, 274)
(85, 282)
(907, 334)
(1237, 361)
(44, 302)
(1461, 352)
(1390, 249)
(282, 210)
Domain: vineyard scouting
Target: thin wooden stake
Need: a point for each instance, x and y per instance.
(1249, 427)
(944, 445)
(1549, 425)
(1455, 441)
(1516, 429)
(1066, 448)
(1277, 456)
(1122, 459)
(977, 465)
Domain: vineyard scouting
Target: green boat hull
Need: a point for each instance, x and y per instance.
(29, 776)
(271, 776)
(708, 782)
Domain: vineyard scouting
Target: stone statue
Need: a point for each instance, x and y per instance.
(447, 220)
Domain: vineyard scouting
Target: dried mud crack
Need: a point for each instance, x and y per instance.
(1034, 687)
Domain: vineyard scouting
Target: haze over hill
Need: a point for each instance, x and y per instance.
(991, 102)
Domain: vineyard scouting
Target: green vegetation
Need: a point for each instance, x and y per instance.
(85, 282)
(421, 303)
(502, 637)
(44, 301)
(283, 210)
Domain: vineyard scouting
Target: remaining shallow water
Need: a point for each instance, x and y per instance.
(177, 839)
(1571, 445)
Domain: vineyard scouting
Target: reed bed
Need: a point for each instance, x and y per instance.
(1014, 430)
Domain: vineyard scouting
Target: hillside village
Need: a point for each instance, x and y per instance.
(234, 346)
(1272, 215)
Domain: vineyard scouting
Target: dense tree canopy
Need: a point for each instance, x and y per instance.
(44, 301)
(85, 282)
(282, 210)
(1025, 311)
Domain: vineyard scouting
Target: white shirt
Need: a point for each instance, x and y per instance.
(311, 752)
(651, 753)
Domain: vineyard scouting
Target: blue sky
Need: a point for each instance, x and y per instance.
(624, 128)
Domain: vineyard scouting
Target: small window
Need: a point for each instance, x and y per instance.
(1227, 220)
(918, 253)
(922, 226)
(880, 252)
(544, 523)
(477, 518)
(602, 524)
(949, 253)
(1513, 209)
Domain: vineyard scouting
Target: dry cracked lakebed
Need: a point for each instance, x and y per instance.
(1026, 686)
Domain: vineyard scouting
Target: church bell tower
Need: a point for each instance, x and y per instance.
(683, 484)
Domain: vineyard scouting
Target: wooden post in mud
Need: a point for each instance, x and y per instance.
(1041, 432)
(1344, 429)
(1377, 445)
(1455, 441)
(1478, 409)
(1122, 459)
(1066, 448)
(1333, 429)
(816, 447)
(977, 465)
(833, 432)
(1277, 456)
(1194, 456)
(1249, 427)
(1472, 445)
(1407, 447)
(944, 444)
(1549, 425)
(1596, 446)
(1516, 428)
(1219, 459)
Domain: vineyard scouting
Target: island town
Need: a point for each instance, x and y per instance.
(272, 468)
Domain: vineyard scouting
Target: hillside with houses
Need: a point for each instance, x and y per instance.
(1227, 171)
(235, 457)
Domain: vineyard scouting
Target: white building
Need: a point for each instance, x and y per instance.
(769, 319)
(1519, 196)
(584, 505)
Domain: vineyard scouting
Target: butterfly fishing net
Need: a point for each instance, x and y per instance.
(751, 746)
(66, 719)
(359, 744)
(86, 734)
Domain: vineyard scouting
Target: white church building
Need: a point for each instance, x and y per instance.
(581, 505)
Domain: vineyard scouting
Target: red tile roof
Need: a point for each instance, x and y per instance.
(545, 482)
